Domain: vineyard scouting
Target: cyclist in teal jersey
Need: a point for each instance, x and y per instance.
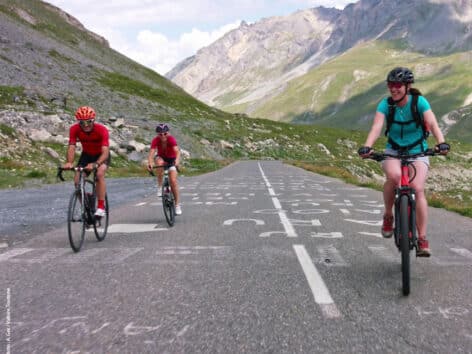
(405, 132)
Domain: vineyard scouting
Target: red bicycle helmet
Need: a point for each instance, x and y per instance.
(84, 113)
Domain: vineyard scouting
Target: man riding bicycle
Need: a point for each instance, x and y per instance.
(168, 154)
(409, 119)
(95, 150)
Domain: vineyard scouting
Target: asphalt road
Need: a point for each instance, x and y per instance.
(265, 258)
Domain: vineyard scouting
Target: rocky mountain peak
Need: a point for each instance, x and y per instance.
(250, 64)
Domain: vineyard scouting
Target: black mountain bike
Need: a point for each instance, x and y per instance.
(82, 206)
(168, 201)
(404, 231)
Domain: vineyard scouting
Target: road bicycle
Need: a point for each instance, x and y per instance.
(82, 206)
(404, 231)
(168, 200)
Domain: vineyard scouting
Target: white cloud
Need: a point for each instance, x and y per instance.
(157, 51)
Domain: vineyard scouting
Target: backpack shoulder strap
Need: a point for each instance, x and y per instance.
(390, 114)
(414, 110)
(417, 116)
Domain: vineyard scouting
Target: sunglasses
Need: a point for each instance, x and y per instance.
(395, 85)
(162, 133)
(86, 123)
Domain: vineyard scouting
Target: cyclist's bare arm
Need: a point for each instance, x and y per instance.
(152, 153)
(70, 157)
(177, 155)
(431, 121)
(375, 130)
(104, 156)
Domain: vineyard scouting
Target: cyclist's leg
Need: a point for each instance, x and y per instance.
(100, 182)
(392, 169)
(101, 185)
(174, 184)
(421, 202)
(160, 171)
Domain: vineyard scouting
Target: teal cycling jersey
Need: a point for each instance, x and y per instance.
(404, 130)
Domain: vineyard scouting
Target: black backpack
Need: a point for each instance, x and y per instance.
(417, 118)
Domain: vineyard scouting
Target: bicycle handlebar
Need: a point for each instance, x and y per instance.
(164, 167)
(380, 156)
(77, 168)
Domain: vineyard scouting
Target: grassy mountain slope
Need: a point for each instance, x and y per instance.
(344, 92)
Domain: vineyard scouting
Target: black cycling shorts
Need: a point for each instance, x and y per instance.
(85, 159)
(167, 160)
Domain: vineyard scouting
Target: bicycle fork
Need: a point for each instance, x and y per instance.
(409, 192)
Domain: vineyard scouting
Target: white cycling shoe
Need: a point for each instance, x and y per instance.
(99, 213)
(178, 210)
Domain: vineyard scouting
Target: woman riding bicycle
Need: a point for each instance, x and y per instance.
(406, 132)
(168, 154)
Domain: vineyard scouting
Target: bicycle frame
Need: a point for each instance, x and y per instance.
(84, 197)
(168, 201)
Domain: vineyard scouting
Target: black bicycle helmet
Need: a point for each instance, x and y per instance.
(162, 128)
(403, 75)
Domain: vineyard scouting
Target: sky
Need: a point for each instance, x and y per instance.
(161, 33)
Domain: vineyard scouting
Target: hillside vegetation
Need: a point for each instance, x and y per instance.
(345, 91)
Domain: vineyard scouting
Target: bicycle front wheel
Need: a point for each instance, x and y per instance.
(100, 225)
(169, 208)
(405, 243)
(76, 222)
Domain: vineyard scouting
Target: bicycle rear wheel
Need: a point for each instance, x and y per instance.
(169, 207)
(405, 243)
(76, 222)
(100, 225)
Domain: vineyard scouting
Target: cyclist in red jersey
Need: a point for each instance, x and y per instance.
(168, 153)
(95, 150)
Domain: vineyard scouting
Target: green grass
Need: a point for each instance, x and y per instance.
(294, 144)
(62, 58)
(6, 130)
(194, 167)
(166, 95)
(8, 93)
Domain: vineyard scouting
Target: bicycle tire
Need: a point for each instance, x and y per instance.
(76, 222)
(405, 243)
(100, 226)
(168, 205)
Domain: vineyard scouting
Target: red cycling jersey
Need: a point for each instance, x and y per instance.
(93, 141)
(163, 149)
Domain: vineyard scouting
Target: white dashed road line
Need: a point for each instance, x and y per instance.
(316, 283)
(282, 215)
